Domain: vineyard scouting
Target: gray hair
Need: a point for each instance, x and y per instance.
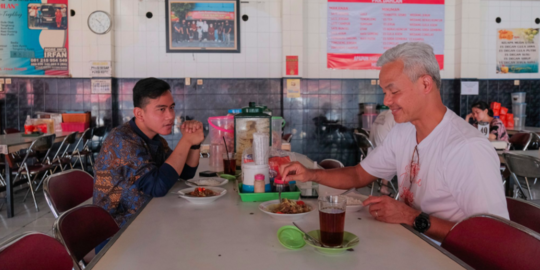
(418, 59)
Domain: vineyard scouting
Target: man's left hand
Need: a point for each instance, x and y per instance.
(388, 210)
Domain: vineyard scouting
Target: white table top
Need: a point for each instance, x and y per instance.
(13, 142)
(525, 129)
(171, 233)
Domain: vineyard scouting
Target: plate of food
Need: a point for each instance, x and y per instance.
(287, 210)
(207, 182)
(201, 195)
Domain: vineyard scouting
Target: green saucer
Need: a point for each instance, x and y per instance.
(228, 177)
(347, 237)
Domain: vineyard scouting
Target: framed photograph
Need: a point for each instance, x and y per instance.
(203, 26)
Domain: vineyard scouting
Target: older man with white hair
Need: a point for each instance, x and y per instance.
(447, 171)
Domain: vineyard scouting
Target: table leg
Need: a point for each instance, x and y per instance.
(9, 190)
(508, 187)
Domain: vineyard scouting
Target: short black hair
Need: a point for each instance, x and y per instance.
(149, 88)
(482, 105)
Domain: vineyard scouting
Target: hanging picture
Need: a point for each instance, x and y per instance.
(203, 26)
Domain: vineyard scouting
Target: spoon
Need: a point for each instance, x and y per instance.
(279, 186)
(311, 239)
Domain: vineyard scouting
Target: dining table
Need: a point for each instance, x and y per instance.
(11, 143)
(512, 131)
(171, 233)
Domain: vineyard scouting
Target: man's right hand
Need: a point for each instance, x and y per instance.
(193, 134)
(295, 171)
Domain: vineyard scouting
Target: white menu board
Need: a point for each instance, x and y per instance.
(360, 31)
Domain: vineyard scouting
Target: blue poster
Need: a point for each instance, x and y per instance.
(33, 38)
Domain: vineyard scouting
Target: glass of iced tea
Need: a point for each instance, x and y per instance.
(332, 219)
(229, 164)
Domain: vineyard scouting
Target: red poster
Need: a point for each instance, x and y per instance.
(292, 65)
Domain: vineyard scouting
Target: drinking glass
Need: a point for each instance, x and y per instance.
(332, 219)
(229, 163)
(216, 151)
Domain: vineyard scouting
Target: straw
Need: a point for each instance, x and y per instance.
(226, 149)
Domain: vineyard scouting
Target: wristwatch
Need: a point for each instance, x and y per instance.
(195, 147)
(421, 223)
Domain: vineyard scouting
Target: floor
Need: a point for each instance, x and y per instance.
(27, 219)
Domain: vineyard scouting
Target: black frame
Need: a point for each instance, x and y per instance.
(202, 50)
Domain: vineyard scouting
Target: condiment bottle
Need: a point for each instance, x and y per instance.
(259, 183)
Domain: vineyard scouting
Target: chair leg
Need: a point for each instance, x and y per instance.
(42, 178)
(31, 190)
(519, 185)
(529, 189)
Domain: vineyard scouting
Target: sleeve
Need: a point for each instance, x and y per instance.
(472, 174)
(158, 181)
(188, 172)
(381, 162)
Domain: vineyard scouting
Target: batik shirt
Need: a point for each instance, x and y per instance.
(130, 169)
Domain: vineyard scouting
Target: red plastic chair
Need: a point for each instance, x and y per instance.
(83, 228)
(33, 250)
(67, 189)
(491, 242)
(11, 131)
(328, 164)
(524, 213)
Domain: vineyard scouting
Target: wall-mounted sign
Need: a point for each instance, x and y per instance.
(293, 88)
(33, 38)
(291, 65)
(101, 69)
(101, 86)
(360, 31)
(517, 50)
(469, 88)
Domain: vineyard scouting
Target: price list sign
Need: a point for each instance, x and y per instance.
(360, 31)
(517, 50)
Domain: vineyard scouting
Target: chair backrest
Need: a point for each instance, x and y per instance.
(491, 242)
(521, 140)
(11, 131)
(524, 213)
(363, 143)
(331, 164)
(42, 144)
(67, 189)
(522, 165)
(67, 141)
(83, 228)
(85, 137)
(34, 250)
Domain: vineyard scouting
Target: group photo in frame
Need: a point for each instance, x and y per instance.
(203, 26)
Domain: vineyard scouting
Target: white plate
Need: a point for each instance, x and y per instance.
(200, 182)
(355, 207)
(201, 200)
(283, 217)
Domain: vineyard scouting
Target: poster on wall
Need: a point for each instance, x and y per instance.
(360, 31)
(33, 38)
(203, 26)
(517, 50)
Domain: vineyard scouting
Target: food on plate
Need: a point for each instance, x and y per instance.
(289, 207)
(353, 201)
(202, 192)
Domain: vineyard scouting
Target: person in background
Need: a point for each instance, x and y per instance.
(482, 113)
(184, 35)
(211, 33)
(177, 31)
(193, 31)
(205, 31)
(379, 130)
(64, 15)
(32, 16)
(216, 36)
(38, 16)
(228, 30)
(135, 162)
(447, 170)
(58, 15)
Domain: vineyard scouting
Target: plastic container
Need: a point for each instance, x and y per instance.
(519, 121)
(367, 120)
(267, 196)
(277, 131)
(249, 171)
(519, 108)
(70, 127)
(76, 117)
(370, 108)
(518, 97)
(259, 183)
(222, 126)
